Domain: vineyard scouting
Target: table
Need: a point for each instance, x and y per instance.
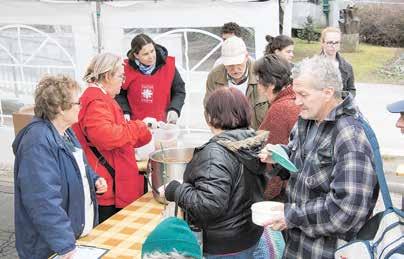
(124, 233)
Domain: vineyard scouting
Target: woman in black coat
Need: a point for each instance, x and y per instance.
(224, 178)
(330, 45)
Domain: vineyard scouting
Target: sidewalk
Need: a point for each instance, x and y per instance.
(7, 239)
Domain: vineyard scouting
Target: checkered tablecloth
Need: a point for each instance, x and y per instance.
(124, 233)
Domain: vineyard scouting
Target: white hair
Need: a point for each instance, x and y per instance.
(323, 70)
(172, 255)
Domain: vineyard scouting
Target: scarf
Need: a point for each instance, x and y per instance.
(146, 70)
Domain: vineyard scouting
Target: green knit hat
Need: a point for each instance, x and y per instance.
(172, 235)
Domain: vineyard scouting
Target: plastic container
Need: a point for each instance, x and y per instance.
(143, 152)
(166, 136)
(264, 211)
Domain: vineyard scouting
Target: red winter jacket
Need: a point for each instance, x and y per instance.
(102, 121)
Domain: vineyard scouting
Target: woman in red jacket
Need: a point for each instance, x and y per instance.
(153, 86)
(107, 138)
(274, 78)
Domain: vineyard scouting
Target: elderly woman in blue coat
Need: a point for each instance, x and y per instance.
(55, 190)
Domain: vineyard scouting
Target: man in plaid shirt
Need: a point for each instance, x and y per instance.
(334, 192)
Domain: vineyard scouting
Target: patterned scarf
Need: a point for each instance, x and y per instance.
(146, 70)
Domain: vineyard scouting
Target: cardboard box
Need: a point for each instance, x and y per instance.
(22, 117)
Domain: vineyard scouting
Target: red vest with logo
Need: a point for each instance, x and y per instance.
(149, 95)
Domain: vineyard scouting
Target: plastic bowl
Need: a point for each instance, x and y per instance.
(263, 211)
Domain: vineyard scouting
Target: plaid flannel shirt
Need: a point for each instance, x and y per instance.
(333, 193)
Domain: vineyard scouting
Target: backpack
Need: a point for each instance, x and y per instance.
(388, 241)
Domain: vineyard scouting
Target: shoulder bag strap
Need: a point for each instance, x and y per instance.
(378, 162)
(100, 158)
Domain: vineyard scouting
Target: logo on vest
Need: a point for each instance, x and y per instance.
(147, 93)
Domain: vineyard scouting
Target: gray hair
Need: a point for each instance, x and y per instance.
(172, 255)
(324, 70)
(52, 94)
(100, 65)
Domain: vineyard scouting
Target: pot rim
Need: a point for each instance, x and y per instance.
(167, 150)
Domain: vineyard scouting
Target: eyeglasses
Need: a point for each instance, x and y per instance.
(332, 43)
(122, 77)
(75, 103)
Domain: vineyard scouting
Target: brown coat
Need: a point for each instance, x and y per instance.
(218, 78)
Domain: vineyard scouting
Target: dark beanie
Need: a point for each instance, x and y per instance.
(172, 235)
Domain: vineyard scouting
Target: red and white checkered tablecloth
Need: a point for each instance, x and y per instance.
(124, 233)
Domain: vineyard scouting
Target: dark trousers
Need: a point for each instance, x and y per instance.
(104, 212)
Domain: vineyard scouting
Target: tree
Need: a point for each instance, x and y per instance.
(308, 33)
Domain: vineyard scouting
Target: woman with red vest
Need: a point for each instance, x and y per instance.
(107, 138)
(153, 86)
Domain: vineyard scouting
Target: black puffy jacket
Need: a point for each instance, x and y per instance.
(224, 178)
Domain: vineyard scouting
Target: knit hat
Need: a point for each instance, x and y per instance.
(234, 51)
(172, 235)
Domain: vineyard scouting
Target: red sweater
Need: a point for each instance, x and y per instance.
(279, 120)
(281, 117)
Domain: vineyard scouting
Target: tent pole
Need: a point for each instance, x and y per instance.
(98, 12)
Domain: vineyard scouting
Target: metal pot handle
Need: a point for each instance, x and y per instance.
(148, 174)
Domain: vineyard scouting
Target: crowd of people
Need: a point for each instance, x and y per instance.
(75, 163)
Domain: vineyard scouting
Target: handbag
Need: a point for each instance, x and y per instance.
(382, 236)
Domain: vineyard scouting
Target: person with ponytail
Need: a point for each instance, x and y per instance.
(281, 45)
(107, 138)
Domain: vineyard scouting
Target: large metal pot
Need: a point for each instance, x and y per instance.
(167, 165)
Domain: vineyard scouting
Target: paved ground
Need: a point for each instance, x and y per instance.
(7, 246)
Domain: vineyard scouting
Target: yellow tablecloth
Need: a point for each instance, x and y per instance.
(124, 233)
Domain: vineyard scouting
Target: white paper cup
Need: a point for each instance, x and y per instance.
(264, 211)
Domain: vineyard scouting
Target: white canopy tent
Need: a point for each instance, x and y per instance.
(52, 36)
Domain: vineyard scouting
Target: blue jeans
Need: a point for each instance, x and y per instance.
(245, 254)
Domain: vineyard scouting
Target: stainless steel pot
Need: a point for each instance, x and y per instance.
(167, 165)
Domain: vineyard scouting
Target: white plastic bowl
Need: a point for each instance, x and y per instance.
(263, 211)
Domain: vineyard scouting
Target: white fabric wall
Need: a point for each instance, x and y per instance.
(261, 16)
